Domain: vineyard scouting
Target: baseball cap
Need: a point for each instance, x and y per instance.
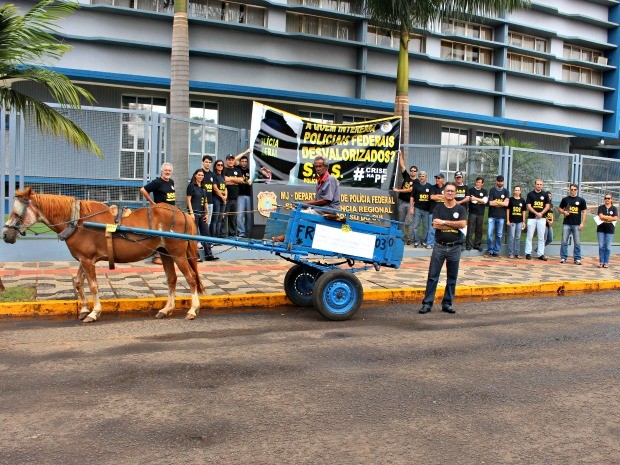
(500, 177)
(440, 176)
(229, 156)
(458, 174)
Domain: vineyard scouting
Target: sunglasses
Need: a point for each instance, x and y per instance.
(607, 198)
(415, 171)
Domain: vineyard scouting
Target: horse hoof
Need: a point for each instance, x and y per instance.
(83, 315)
(160, 315)
(88, 319)
(190, 317)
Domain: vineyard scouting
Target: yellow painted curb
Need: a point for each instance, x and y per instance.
(70, 308)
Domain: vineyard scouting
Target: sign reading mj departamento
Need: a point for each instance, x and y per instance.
(362, 156)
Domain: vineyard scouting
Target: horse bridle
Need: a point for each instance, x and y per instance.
(20, 217)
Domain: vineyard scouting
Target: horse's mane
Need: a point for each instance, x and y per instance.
(63, 204)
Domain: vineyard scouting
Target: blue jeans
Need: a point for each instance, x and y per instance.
(604, 247)
(403, 211)
(210, 214)
(203, 230)
(216, 218)
(535, 225)
(451, 255)
(430, 238)
(244, 216)
(567, 231)
(514, 238)
(494, 234)
(228, 226)
(549, 235)
(420, 217)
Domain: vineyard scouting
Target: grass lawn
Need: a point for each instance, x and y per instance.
(17, 294)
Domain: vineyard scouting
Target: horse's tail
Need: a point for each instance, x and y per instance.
(192, 251)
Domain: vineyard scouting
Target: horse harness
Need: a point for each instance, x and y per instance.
(20, 216)
(72, 223)
(110, 231)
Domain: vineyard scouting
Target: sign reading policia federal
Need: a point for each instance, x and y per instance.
(362, 156)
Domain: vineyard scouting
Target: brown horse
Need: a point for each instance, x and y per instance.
(88, 245)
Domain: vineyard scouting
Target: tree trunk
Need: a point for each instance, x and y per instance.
(178, 140)
(401, 105)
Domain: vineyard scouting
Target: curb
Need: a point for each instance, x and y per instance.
(70, 308)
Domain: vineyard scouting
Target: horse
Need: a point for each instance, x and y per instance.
(66, 216)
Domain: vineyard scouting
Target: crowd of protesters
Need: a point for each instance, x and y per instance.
(531, 214)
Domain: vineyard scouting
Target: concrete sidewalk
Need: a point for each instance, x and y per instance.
(232, 283)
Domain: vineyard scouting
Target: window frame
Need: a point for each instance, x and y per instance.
(467, 51)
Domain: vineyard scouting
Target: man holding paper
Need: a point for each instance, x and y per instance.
(606, 220)
(449, 220)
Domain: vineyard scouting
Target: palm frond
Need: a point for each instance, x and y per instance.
(29, 38)
(48, 120)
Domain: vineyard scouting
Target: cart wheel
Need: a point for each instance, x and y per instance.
(299, 284)
(338, 295)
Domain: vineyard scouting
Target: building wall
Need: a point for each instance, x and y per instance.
(234, 63)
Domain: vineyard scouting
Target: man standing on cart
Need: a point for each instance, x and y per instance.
(449, 218)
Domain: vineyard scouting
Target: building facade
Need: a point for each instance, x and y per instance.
(547, 75)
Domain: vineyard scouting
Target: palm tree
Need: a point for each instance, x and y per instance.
(179, 89)
(28, 39)
(406, 15)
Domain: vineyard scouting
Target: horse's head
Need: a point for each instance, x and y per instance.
(21, 218)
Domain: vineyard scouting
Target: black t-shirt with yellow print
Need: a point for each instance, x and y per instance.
(161, 191)
(455, 213)
(516, 207)
(422, 196)
(538, 201)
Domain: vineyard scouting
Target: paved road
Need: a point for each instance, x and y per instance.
(527, 381)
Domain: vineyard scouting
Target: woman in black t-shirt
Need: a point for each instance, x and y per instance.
(198, 207)
(220, 196)
(607, 213)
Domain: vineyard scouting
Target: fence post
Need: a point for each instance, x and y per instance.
(577, 171)
(3, 155)
(14, 138)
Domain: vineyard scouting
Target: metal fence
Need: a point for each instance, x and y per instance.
(521, 167)
(473, 161)
(134, 143)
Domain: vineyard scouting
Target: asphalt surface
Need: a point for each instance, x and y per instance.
(526, 381)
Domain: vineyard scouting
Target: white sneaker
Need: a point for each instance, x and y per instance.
(200, 247)
(563, 260)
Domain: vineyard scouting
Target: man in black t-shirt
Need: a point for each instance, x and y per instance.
(207, 182)
(233, 177)
(462, 194)
(244, 201)
(575, 212)
(405, 205)
(478, 198)
(607, 216)
(421, 199)
(498, 203)
(538, 204)
(160, 190)
(436, 198)
(449, 219)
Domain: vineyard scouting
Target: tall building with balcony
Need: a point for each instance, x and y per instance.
(548, 74)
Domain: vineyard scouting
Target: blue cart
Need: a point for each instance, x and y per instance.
(332, 288)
